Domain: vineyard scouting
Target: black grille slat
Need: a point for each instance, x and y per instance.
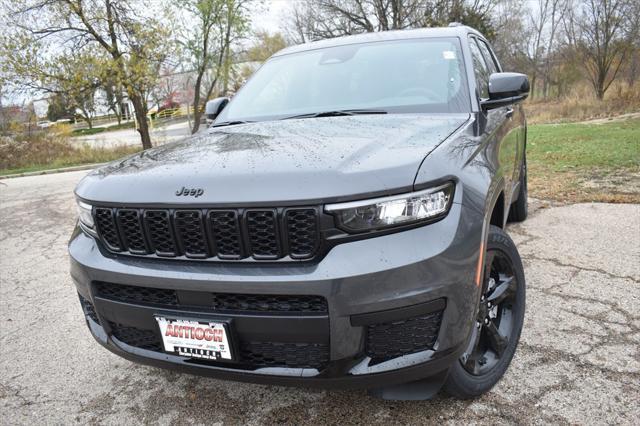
(220, 301)
(131, 229)
(191, 232)
(302, 232)
(291, 355)
(106, 226)
(291, 234)
(135, 294)
(391, 340)
(269, 303)
(140, 338)
(226, 234)
(263, 236)
(158, 227)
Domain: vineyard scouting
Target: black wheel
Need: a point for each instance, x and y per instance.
(497, 327)
(519, 210)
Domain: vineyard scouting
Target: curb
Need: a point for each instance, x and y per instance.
(52, 171)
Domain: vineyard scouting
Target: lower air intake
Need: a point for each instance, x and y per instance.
(391, 340)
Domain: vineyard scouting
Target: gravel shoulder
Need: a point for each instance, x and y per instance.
(578, 362)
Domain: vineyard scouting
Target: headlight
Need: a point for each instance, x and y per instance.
(405, 209)
(84, 214)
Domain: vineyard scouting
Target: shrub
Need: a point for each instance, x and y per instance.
(51, 149)
(581, 104)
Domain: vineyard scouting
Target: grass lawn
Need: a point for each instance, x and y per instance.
(585, 162)
(68, 158)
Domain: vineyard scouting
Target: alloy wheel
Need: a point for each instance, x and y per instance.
(494, 323)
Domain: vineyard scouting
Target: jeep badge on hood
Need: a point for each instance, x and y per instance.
(194, 192)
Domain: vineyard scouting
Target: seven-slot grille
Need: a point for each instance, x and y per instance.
(226, 234)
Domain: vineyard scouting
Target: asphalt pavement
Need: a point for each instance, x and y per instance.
(160, 134)
(578, 360)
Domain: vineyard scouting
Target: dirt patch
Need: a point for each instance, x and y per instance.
(573, 187)
(615, 119)
(616, 183)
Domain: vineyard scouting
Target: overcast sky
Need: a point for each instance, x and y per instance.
(269, 16)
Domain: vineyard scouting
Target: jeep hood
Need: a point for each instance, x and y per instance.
(276, 162)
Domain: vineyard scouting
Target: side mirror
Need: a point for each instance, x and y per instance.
(506, 88)
(214, 107)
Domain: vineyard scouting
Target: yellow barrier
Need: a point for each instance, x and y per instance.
(181, 111)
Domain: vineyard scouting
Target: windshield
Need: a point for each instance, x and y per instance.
(402, 76)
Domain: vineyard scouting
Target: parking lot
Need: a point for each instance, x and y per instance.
(578, 360)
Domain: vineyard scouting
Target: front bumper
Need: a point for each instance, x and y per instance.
(388, 281)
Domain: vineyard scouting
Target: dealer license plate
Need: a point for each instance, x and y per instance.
(195, 339)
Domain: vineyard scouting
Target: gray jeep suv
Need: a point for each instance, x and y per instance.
(341, 224)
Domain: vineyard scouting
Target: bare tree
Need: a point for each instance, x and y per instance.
(320, 19)
(556, 10)
(632, 29)
(597, 30)
(511, 43)
(296, 23)
(541, 29)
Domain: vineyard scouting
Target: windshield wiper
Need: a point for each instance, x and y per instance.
(338, 113)
(230, 123)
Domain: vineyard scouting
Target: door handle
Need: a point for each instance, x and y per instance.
(509, 113)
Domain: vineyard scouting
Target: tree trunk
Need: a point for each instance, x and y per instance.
(197, 116)
(87, 119)
(141, 116)
(197, 112)
(532, 87)
(118, 114)
(600, 89)
(119, 102)
(196, 103)
(188, 115)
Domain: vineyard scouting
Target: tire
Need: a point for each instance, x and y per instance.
(481, 367)
(519, 210)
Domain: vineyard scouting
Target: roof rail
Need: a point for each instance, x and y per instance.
(455, 24)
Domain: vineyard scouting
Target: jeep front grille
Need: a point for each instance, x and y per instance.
(223, 234)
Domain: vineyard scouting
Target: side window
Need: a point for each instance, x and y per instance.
(480, 69)
(488, 57)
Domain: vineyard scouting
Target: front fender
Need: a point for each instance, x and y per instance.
(471, 156)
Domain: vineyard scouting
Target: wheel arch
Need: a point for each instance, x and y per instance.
(498, 212)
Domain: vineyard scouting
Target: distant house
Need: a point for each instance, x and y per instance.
(40, 107)
(13, 114)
